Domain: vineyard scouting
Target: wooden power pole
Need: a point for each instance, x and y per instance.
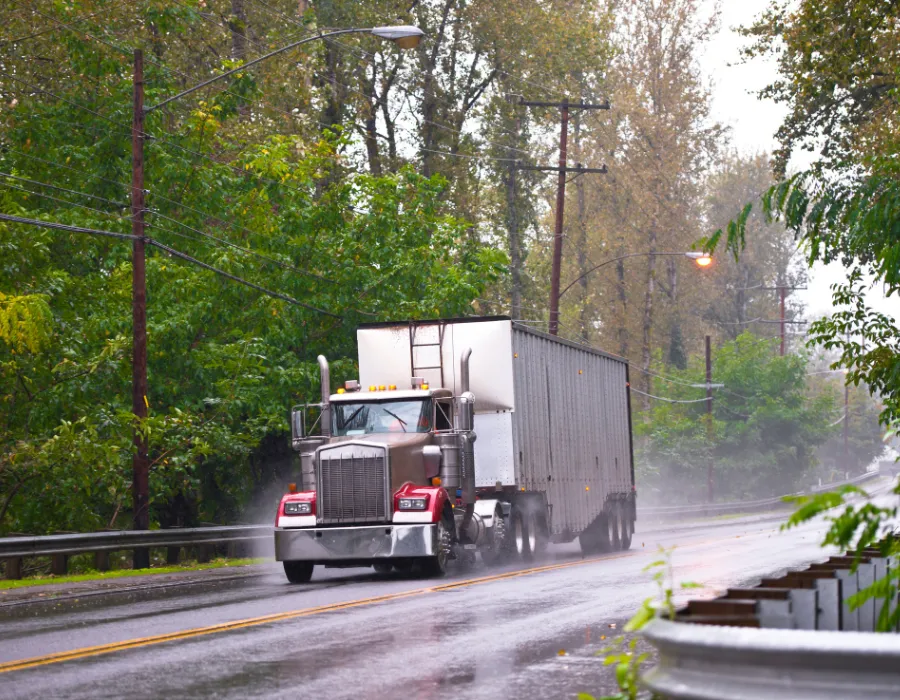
(140, 464)
(564, 106)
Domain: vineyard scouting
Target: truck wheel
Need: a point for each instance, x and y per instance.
(626, 527)
(523, 533)
(437, 565)
(298, 571)
(498, 544)
(591, 542)
(612, 529)
(542, 535)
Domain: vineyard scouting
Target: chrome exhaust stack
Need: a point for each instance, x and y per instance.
(466, 426)
(325, 375)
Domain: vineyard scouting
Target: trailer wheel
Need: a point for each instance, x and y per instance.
(437, 565)
(612, 529)
(524, 534)
(499, 540)
(298, 571)
(591, 541)
(626, 527)
(542, 534)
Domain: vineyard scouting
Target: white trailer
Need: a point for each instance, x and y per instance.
(552, 417)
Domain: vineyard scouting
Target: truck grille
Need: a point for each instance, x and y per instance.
(352, 488)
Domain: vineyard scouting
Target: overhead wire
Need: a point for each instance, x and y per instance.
(668, 400)
(170, 251)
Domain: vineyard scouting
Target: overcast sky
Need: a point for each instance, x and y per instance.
(753, 124)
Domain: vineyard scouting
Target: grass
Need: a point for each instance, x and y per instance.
(43, 580)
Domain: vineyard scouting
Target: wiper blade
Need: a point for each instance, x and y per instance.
(402, 422)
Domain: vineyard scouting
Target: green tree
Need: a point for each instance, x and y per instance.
(765, 427)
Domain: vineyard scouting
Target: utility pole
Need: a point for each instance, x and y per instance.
(846, 418)
(512, 225)
(783, 291)
(140, 465)
(709, 420)
(564, 107)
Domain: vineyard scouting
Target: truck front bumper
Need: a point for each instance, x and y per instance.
(348, 544)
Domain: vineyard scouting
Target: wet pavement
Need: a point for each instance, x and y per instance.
(469, 635)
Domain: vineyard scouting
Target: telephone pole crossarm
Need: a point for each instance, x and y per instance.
(558, 105)
(557, 169)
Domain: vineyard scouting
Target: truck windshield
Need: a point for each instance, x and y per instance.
(409, 416)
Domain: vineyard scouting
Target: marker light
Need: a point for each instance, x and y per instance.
(372, 387)
(425, 386)
(340, 390)
(436, 481)
(412, 504)
(292, 488)
(381, 387)
(392, 387)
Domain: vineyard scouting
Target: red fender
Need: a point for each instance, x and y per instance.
(436, 495)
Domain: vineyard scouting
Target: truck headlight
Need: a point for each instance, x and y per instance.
(298, 508)
(412, 504)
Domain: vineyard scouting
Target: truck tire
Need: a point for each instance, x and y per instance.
(498, 547)
(612, 529)
(437, 565)
(626, 526)
(591, 542)
(523, 533)
(298, 571)
(542, 534)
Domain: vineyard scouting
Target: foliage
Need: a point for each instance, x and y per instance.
(623, 654)
(764, 432)
(839, 63)
(840, 69)
(225, 363)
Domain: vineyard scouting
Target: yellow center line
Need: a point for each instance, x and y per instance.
(84, 652)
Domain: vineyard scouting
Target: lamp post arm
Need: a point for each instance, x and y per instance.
(610, 262)
(247, 65)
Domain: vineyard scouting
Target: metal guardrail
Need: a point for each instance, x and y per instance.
(795, 636)
(698, 662)
(79, 543)
(663, 513)
(60, 547)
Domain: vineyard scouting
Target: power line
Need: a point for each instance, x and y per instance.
(63, 227)
(667, 400)
(63, 189)
(167, 249)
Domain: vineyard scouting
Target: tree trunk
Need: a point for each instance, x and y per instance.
(371, 121)
(647, 324)
(623, 300)
(238, 25)
(581, 236)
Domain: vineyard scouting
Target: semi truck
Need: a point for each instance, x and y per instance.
(460, 437)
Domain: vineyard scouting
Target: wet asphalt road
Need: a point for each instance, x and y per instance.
(482, 639)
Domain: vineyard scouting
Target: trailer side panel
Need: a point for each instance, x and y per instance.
(570, 426)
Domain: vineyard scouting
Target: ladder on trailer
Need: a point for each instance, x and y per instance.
(429, 335)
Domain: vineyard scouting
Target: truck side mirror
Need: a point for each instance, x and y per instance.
(432, 456)
(298, 424)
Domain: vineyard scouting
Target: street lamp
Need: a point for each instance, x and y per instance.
(405, 36)
(702, 259)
